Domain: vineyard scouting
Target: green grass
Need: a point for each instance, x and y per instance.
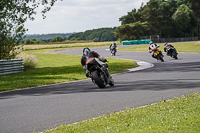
(186, 47)
(56, 68)
(175, 115)
(66, 44)
(180, 115)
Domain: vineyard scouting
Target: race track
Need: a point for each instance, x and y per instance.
(41, 108)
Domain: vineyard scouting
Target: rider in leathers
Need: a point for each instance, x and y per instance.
(166, 47)
(114, 46)
(87, 54)
(153, 47)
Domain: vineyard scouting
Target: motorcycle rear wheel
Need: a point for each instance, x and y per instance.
(96, 77)
(161, 58)
(175, 56)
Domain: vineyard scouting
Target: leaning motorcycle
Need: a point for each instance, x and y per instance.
(98, 73)
(172, 52)
(113, 51)
(158, 55)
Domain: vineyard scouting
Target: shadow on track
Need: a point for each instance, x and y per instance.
(85, 86)
(68, 88)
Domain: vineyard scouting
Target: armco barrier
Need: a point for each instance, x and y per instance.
(11, 66)
(130, 42)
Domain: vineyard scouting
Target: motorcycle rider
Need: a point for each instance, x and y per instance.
(153, 47)
(166, 47)
(113, 46)
(88, 54)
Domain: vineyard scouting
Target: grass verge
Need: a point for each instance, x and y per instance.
(56, 68)
(180, 115)
(186, 47)
(67, 45)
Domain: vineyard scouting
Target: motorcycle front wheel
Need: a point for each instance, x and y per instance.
(99, 79)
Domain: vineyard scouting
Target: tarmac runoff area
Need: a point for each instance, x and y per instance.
(142, 65)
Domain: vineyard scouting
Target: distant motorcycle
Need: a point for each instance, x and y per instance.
(113, 51)
(171, 52)
(98, 74)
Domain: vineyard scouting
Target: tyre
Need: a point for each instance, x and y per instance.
(99, 79)
(175, 56)
(113, 53)
(161, 58)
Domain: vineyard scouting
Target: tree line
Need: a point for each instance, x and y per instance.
(47, 36)
(166, 18)
(95, 35)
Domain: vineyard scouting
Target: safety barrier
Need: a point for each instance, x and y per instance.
(11, 66)
(162, 40)
(130, 42)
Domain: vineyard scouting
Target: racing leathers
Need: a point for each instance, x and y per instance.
(113, 46)
(167, 48)
(100, 59)
(153, 47)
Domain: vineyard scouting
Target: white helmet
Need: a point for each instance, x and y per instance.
(150, 42)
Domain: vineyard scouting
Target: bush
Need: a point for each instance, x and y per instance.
(197, 44)
(56, 39)
(95, 40)
(72, 39)
(29, 41)
(30, 60)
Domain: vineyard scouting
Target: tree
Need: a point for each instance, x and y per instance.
(56, 39)
(29, 41)
(13, 15)
(95, 40)
(194, 6)
(184, 19)
(152, 16)
(131, 31)
(131, 17)
(73, 38)
(166, 17)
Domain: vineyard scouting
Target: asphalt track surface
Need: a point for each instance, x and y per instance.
(40, 108)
